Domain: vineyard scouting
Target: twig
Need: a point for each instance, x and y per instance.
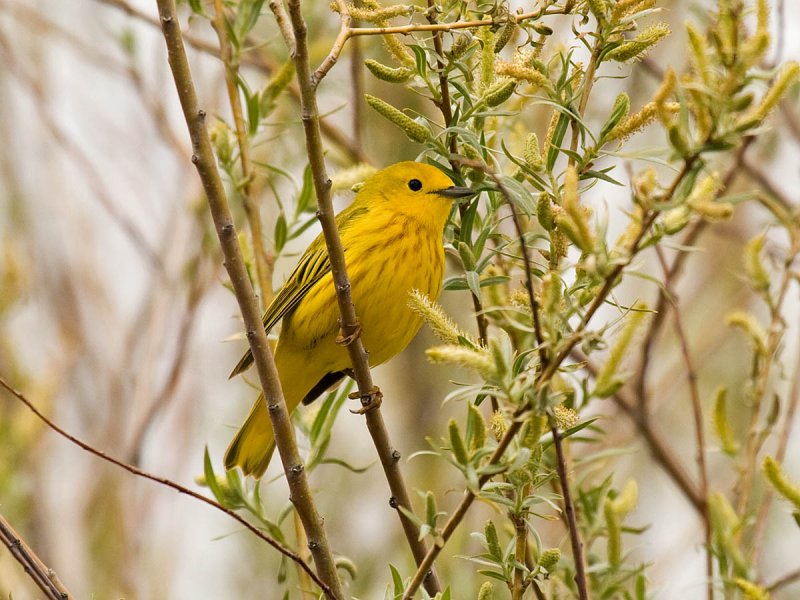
(660, 449)
(346, 32)
(203, 158)
(284, 26)
(790, 577)
(413, 28)
(165, 482)
(251, 209)
(569, 509)
(697, 413)
(43, 576)
(350, 327)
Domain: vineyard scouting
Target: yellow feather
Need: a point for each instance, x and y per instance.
(391, 236)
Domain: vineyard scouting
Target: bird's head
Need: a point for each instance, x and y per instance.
(415, 189)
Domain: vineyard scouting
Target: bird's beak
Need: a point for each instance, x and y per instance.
(456, 192)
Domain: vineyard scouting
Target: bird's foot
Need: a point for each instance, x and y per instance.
(352, 335)
(369, 401)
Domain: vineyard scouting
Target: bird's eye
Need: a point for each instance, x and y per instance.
(415, 185)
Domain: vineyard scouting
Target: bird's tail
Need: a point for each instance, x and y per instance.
(254, 443)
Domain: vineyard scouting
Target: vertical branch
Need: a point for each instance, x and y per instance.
(43, 576)
(203, 158)
(697, 413)
(251, 209)
(350, 327)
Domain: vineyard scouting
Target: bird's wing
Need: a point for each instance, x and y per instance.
(313, 266)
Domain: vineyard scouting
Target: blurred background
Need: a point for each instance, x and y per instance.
(115, 318)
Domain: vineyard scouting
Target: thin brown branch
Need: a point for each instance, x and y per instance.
(251, 208)
(165, 482)
(43, 576)
(203, 158)
(413, 28)
(659, 447)
(284, 26)
(346, 32)
(350, 327)
(783, 581)
(697, 413)
(569, 511)
(338, 45)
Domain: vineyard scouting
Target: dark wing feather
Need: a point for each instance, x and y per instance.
(313, 266)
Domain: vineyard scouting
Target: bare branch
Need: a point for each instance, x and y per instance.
(43, 576)
(165, 482)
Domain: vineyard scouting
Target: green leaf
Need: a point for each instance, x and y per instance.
(306, 193)
(247, 16)
(555, 142)
(397, 582)
(598, 175)
(211, 478)
(421, 59)
(493, 542)
(281, 232)
(460, 283)
(473, 283)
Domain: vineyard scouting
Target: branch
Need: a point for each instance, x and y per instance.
(43, 576)
(659, 447)
(697, 413)
(347, 32)
(350, 327)
(203, 159)
(165, 482)
(535, 14)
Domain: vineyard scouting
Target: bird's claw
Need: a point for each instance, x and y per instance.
(346, 340)
(369, 401)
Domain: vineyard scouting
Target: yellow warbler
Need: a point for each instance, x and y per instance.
(391, 235)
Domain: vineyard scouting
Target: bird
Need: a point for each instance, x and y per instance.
(392, 239)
